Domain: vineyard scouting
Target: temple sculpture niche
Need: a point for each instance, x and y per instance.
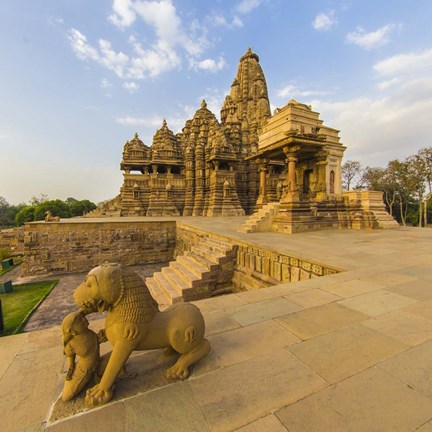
(286, 166)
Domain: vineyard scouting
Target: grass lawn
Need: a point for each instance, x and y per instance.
(19, 304)
(17, 261)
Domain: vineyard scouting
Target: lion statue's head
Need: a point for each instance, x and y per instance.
(100, 289)
(112, 287)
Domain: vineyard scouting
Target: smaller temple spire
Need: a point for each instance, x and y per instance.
(164, 123)
(136, 135)
(203, 104)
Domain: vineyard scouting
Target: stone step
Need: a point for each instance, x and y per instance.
(214, 263)
(221, 243)
(193, 265)
(183, 272)
(220, 248)
(211, 256)
(157, 293)
(172, 293)
(175, 279)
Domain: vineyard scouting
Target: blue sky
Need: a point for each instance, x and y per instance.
(79, 78)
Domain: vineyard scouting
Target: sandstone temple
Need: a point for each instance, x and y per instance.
(284, 168)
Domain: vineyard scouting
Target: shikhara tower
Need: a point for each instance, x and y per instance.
(204, 170)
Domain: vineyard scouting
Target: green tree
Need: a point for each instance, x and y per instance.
(35, 200)
(26, 214)
(79, 208)
(351, 173)
(57, 208)
(425, 155)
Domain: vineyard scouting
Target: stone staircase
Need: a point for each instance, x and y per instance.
(261, 220)
(205, 270)
(384, 219)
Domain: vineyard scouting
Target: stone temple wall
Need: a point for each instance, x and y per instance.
(12, 239)
(80, 246)
(256, 267)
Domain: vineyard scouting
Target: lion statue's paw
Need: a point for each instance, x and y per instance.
(98, 396)
(177, 371)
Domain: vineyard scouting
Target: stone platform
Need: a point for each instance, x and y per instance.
(350, 351)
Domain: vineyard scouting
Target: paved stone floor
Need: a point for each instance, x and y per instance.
(345, 352)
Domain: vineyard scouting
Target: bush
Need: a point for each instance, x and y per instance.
(26, 214)
(4, 253)
(57, 208)
(79, 208)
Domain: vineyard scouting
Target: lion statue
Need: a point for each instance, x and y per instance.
(134, 322)
(50, 218)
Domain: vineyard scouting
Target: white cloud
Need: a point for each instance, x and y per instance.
(379, 129)
(370, 40)
(403, 68)
(124, 14)
(130, 86)
(291, 91)
(116, 62)
(237, 22)
(175, 123)
(383, 85)
(208, 64)
(171, 41)
(154, 121)
(405, 63)
(246, 6)
(81, 47)
(219, 20)
(324, 21)
(52, 20)
(105, 83)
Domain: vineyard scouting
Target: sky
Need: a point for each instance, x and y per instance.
(79, 78)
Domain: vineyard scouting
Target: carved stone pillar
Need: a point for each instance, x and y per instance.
(291, 160)
(321, 184)
(199, 180)
(321, 190)
(291, 173)
(263, 167)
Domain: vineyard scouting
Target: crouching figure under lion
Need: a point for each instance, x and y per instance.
(134, 322)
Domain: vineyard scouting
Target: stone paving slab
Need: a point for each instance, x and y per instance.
(312, 297)
(319, 320)
(371, 401)
(353, 288)
(29, 387)
(248, 342)
(413, 367)
(234, 396)
(269, 423)
(343, 353)
(265, 310)
(402, 326)
(377, 302)
(417, 289)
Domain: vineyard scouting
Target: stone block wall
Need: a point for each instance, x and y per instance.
(187, 237)
(71, 246)
(257, 267)
(12, 239)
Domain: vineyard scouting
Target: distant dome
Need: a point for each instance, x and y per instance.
(165, 145)
(135, 149)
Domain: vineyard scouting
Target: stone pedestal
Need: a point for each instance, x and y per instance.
(293, 217)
